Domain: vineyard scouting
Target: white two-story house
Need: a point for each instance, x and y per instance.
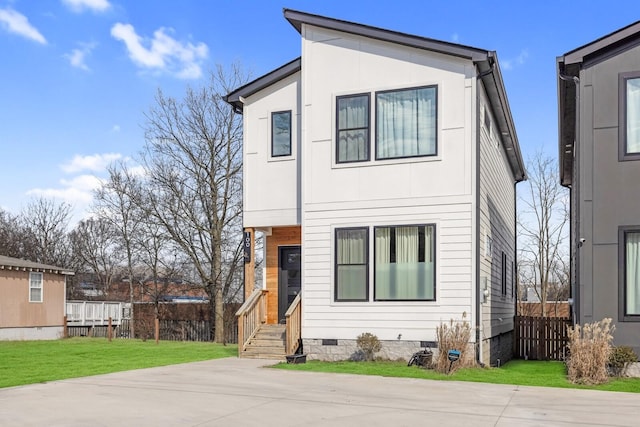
(381, 169)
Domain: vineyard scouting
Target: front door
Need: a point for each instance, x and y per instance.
(289, 279)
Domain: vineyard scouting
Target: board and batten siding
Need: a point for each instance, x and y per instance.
(271, 185)
(425, 190)
(497, 224)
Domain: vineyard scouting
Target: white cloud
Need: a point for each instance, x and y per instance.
(82, 5)
(78, 190)
(163, 52)
(17, 23)
(95, 163)
(511, 63)
(77, 56)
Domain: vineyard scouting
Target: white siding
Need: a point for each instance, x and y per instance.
(271, 193)
(425, 190)
(497, 222)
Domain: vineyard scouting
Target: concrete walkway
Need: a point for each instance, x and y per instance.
(234, 392)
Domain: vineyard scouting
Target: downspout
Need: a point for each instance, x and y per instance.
(574, 192)
(477, 239)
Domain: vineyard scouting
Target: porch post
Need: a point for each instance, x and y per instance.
(249, 261)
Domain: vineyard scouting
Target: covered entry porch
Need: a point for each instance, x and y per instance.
(269, 321)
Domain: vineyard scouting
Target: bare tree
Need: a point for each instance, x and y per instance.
(96, 247)
(117, 203)
(14, 240)
(543, 220)
(46, 222)
(193, 161)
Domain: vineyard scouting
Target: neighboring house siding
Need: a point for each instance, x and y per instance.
(274, 201)
(420, 190)
(21, 319)
(497, 223)
(607, 194)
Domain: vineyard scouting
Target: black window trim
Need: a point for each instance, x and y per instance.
(375, 139)
(435, 296)
(503, 274)
(335, 263)
(338, 130)
(273, 113)
(623, 156)
(622, 273)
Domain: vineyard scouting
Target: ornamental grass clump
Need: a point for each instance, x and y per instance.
(369, 345)
(454, 335)
(589, 348)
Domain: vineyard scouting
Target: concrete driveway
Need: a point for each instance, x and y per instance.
(235, 392)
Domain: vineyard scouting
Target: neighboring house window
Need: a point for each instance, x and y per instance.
(404, 263)
(503, 278)
(35, 287)
(352, 267)
(406, 123)
(352, 133)
(630, 273)
(629, 124)
(281, 134)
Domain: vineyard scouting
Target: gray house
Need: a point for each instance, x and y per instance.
(599, 143)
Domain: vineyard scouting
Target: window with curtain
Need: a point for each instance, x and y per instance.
(406, 123)
(632, 273)
(633, 116)
(35, 287)
(281, 133)
(352, 133)
(404, 263)
(352, 267)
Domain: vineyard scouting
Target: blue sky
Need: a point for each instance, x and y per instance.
(77, 75)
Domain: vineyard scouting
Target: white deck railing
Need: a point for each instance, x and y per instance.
(91, 313)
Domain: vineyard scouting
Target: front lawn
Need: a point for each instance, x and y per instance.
(517, 372)
(27, 362)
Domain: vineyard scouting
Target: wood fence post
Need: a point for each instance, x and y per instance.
(157, 330)
(109, 330)
(65, 330)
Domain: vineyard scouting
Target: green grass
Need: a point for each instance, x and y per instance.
(517, 372)
(28, 362)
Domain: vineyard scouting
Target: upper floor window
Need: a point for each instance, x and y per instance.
(35, 287)
(629, 122)
(352, 267)
(630, 273)
(406, 123)
(281, 133)
(404, 263)
(352, 124)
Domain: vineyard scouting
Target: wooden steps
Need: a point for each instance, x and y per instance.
(268, 343)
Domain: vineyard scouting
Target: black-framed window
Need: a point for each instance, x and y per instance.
(503, 275)
(513, 278)
(406, 123)
(352, 264)
(629, 116)
(629, 273)
(404, 263)
(281, 133)
(352, 128)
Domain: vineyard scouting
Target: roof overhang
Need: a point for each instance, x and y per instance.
(236, 97)
(17, 264)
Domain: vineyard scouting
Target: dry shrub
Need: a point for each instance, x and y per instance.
(369, 345)
(620, 358)
(590, 347)
(454, 335)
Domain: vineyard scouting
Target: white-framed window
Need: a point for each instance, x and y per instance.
(404, 263)
(35, 287)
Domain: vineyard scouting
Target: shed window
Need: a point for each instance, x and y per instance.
(35, 287)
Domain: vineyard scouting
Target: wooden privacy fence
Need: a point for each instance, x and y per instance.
(541, 338)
